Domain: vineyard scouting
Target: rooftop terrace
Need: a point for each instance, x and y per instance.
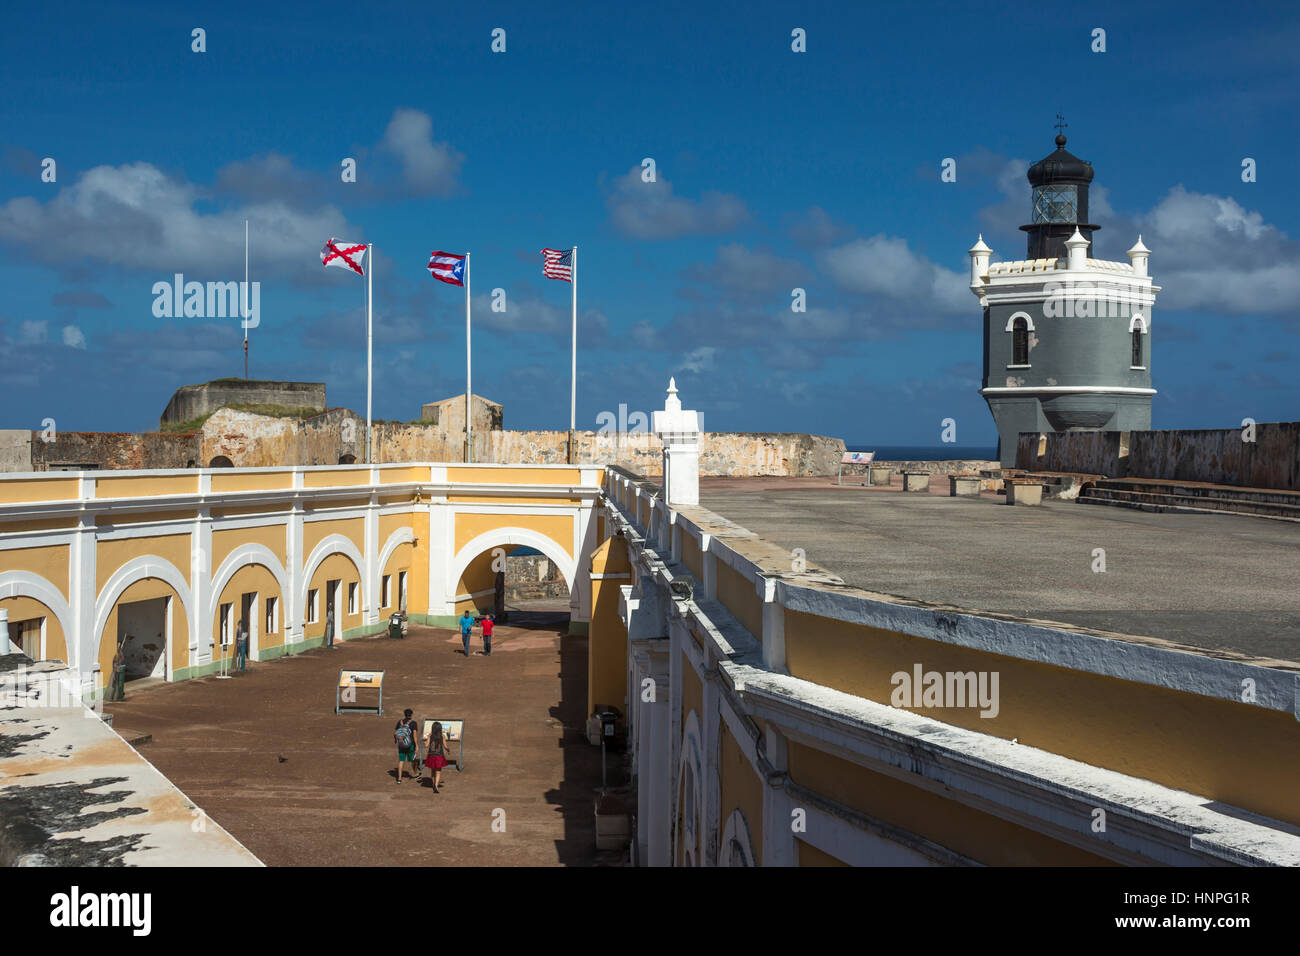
(1219, 583)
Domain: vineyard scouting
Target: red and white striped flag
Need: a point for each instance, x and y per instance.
(345, 255)
(447, 267)
(558, 264)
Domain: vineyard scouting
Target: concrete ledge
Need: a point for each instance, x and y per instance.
(880, 476)
(74, 793)
(964, 485)
(1024, 492)
(916, 481)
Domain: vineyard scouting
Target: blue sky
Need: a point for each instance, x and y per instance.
(775, 170)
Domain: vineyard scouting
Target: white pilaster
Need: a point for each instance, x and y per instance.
(680, 432)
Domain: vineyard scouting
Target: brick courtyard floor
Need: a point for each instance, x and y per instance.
(265, 756)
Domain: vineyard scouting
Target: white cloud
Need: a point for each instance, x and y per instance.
(699, 359)
(644, 210)
(1210, 252)
(427, 167)
(887, 267)
(136, 217)
(33, 333)
(738, 268)
(73, 337)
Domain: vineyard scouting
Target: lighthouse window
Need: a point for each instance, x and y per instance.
(1020, 343)
(1137, 348)
(1055, 204)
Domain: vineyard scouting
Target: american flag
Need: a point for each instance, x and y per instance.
(447, 267)
(558, 265)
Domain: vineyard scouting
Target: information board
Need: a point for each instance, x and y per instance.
(350, 682)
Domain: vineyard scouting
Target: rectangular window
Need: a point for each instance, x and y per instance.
(352, 597)
(1137, 348)
(272, 615)
(401, 590)
(226, 636)
(312, 605)
(385, 589)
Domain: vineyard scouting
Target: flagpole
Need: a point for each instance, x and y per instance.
(469, 385)
(370, 284)
(573, 368)
(245, 310)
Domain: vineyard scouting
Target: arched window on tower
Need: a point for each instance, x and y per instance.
(1020, 342)
(1136, 327)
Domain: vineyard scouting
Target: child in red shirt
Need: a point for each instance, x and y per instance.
(487, 625)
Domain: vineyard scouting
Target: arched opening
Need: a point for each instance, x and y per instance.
(221, 461)
(139, 632)
(1137, 349)
(347, 459)
(251, 593)
(514, 572)
(1020, 342)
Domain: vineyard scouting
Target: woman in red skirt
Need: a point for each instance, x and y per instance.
(436, 755)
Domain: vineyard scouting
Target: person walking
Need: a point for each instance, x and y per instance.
(488, 623)
(435, 748)
(406, 736)
(329, 626)
(466, 624)
(241, 644)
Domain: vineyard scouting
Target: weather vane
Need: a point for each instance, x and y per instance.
(1060, 122)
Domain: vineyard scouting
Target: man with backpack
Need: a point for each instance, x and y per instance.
(406, 737)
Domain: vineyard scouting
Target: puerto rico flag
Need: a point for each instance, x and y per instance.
(447, 267)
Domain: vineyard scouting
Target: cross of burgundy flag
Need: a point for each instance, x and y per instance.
(447, 267)
(345, 255)
(558, 264)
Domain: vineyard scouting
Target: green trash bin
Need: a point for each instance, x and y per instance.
(395, 626)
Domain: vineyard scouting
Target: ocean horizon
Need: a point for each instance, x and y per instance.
(926, 452)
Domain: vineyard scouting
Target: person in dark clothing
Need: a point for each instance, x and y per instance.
(407, 736)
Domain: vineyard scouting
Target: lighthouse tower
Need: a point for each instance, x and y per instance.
(1067, 337)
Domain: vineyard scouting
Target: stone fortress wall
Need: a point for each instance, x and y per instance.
(1224, 456)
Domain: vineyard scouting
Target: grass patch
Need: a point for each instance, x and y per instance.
(271, 411)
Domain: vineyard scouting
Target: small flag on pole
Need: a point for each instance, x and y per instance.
(345, 255)
(558, 265)
(447, 267)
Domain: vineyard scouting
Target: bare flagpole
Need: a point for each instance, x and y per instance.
(469, 383)
(370, 285)
(573, 382)
(245, 322)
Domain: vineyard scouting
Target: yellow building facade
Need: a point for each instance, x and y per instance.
(173, 561)
(767, 725)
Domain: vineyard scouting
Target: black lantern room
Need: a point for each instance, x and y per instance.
(1060, 183)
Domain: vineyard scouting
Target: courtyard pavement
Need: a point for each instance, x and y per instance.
(267, 758)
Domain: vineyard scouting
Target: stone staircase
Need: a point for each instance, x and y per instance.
(1192, 497)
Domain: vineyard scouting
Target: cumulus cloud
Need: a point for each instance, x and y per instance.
(642, 210)
(884, 266)
(33, 333)
(73, 337)
(428, 168)
(1210, 253)
(527, 314)
(269, 177)
(136, 217)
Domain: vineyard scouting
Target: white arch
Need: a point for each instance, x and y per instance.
(26, 584)
(241, 557)
(1137, 322)
(331, 544)
(737, 828)
(403, 535)
(1029, 321)
(505, 537)
(138, 569)
(691, 757)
